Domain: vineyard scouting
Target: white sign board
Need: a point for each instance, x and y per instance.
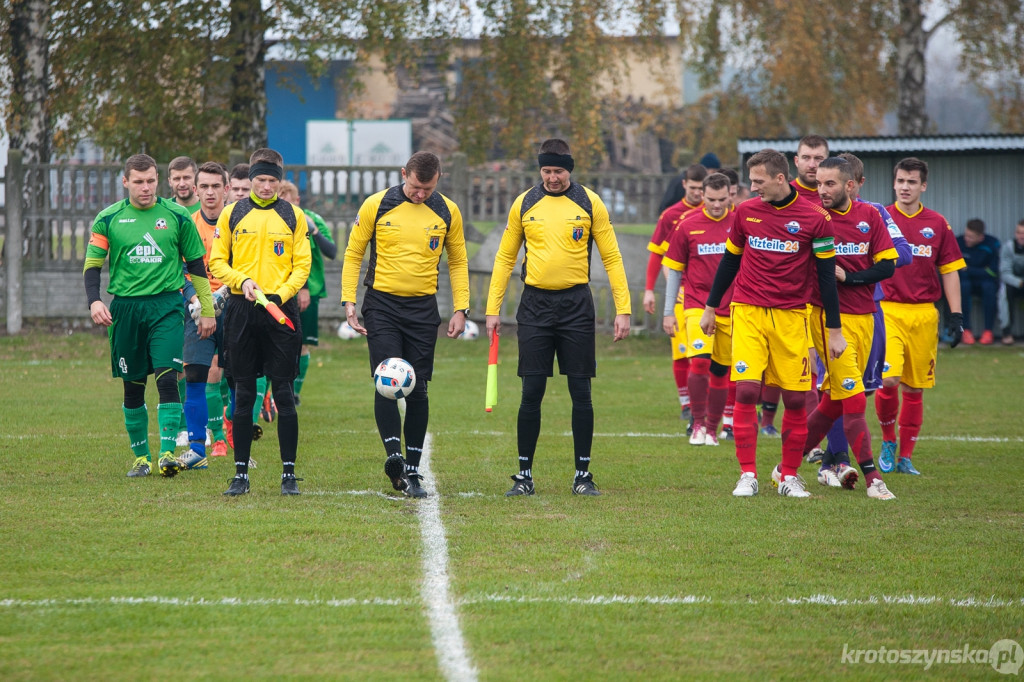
(358, 143)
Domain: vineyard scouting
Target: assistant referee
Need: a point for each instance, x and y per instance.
(261, 244)
(560, 221)
(407, 227)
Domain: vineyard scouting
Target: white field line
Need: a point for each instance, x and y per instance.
(449, 644)
(595, 600)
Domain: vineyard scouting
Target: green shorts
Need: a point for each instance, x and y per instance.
(148, 332)
(311, 323)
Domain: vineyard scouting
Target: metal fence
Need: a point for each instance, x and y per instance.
(48, 229)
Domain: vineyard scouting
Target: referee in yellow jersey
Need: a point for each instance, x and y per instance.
(559, 221)
(261, 244)
(407, 227)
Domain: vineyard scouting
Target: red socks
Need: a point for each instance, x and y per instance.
(699, 383)
(911, 418)
(717, 393)
(794, 435)
(681, 370)
(887, 406)
(744, 430)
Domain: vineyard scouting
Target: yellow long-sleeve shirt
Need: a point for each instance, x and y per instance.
(559, 232)
(263, 241)
(406, 241)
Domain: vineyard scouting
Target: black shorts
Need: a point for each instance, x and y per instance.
(401, 327)
(556, 323)
(257, 344)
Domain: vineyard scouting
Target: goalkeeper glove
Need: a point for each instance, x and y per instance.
(956, 329)
(194, 309)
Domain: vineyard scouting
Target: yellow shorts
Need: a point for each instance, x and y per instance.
(771, 341)
(679, 349)
(844, 376)
(719, 345)
(911, 342)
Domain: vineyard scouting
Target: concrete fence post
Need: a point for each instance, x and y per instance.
(14, 243)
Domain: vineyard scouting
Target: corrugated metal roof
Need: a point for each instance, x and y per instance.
(894, 144)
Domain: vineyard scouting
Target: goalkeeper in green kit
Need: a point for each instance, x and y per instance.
(146, 238)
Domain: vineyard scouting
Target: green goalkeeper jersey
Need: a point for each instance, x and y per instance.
(316, 283)
(146, 247)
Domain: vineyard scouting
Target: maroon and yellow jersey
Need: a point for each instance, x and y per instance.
(206, 230)
(935, 251)
(778, 245)
(806, 192)
(666, 224)
(696, 247)
(862, 239)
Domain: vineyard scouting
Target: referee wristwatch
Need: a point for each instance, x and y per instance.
(464, 311)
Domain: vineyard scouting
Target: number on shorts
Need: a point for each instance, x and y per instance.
(931, 367)
(807, 367)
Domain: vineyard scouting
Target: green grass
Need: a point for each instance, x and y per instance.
(80, 541)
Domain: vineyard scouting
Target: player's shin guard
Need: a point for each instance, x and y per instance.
(745, 425)
(182, 398)
(136, 423)
(911, 418)
(856, 427)
(699, 383)
(794, 432)
(681, 372)
(821, 420)
(528, 422)
(168, 416)
(582, 423)
(195, 414)
(417, 415)
(837, 440)
(389, 424)
(718, 391)
(215, 411)
(887, 407)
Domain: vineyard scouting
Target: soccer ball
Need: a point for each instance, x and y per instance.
(394, 378)
(220, 299)
(345, 331)
(471, 332)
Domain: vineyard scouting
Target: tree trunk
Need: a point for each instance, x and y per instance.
(911, 43)
(29, 121)
(29, 124)
(248, 94)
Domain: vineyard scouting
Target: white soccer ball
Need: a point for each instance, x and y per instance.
(394, 378)
(345, 331)
(471, 332)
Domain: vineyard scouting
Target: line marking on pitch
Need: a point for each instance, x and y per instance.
(990, 602)
(449, 643)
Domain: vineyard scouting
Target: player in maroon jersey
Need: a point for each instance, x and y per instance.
(695, 250)
(774, 250)
(865, 255)
(911, 318)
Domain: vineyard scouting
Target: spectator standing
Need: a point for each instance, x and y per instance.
(1011, 272)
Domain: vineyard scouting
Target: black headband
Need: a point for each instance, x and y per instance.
(265, 168)
(558, 160)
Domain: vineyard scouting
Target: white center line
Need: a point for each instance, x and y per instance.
(449, 643)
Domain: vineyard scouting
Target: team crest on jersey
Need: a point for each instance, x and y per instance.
(863, 227)
(161, 224)
(279, 248)
(577, 234)
(792, 227)
(885, 366)
(741, 367)
(849, 383)
(216, 233)
(682, 348)
(434, 243)
(698, 344)
(927, 232)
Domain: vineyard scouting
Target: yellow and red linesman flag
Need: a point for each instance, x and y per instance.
(491, 398)
(274, 310)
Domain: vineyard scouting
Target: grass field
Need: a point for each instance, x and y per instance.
(666, 576)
